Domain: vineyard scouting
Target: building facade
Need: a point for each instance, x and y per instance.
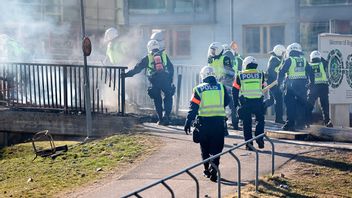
(190, 25)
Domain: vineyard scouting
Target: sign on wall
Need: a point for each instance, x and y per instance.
(337, 50)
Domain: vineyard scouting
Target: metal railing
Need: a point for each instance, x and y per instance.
(61, 87)
(210, 160)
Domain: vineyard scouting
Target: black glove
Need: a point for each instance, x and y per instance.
(187, 127)
(125, 75)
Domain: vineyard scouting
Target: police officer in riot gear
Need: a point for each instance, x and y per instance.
(208, 102)
(160, 71)
(231, 73)
(224, 73)
(274, 65)
(299, 74)
(247, 89)
(320, 87)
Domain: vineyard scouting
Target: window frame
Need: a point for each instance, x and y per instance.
(264, 31)
(171, 39)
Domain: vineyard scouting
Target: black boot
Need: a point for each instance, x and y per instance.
(329, 124)
(206, 173)
(213, 175)
(288, 127)
(260, 143)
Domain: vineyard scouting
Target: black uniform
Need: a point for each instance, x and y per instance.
(248, 107)
(275, 92)
(321, 91)
(211, 129)
(160, 82)
(295, 94)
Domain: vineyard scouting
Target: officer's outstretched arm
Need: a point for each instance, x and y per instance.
(138, 68)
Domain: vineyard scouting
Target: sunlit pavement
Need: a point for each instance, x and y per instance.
(179, 152)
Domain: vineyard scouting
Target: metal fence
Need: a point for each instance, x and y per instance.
(61, 87)
(136, 193)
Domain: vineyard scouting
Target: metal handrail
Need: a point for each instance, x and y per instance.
(61, 86)
(210, 159)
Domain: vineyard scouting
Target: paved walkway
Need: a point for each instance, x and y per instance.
(179, 152)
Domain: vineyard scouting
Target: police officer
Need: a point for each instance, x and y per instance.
(113, 49)
(160, 71)
(274, 65)
(235, 60)
(320, 87)
(224, 73)
(247, 89)
(299, 74)
(208, 102)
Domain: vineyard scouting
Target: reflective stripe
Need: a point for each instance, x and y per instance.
(195, 100)
(235, 85)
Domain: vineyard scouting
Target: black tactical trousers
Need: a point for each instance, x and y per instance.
(320, 91)
(248, 108)
(155, 93)
(296, 104)
(211, 131)
(277, 98)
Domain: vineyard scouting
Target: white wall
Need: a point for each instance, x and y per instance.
(254, 12)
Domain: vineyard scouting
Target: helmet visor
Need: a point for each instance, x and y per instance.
(212, 51)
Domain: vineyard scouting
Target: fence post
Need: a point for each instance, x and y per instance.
(178, 93)
(65, 90)
(123, 92)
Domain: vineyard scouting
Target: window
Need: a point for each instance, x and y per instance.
(177, 41)
(260, 39)
(182, 43)
(325, 2)
(183, 6)
(41, 10)
(252, 35)
(146, 7)
(190, 6)
(309, 34)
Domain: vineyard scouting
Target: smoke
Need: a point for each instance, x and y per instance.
(31, 28)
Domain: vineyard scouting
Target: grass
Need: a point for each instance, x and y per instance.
(324, 173)
(82, 164)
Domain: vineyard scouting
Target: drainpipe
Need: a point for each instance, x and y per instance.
(231, 20)
(297, 21)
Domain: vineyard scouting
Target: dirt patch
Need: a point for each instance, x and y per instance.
(322, 173)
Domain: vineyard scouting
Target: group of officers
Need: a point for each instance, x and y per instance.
(288, 72)
(229, 80)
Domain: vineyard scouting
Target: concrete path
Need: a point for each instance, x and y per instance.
(179, 152)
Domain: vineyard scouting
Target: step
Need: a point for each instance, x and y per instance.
(289, 135)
